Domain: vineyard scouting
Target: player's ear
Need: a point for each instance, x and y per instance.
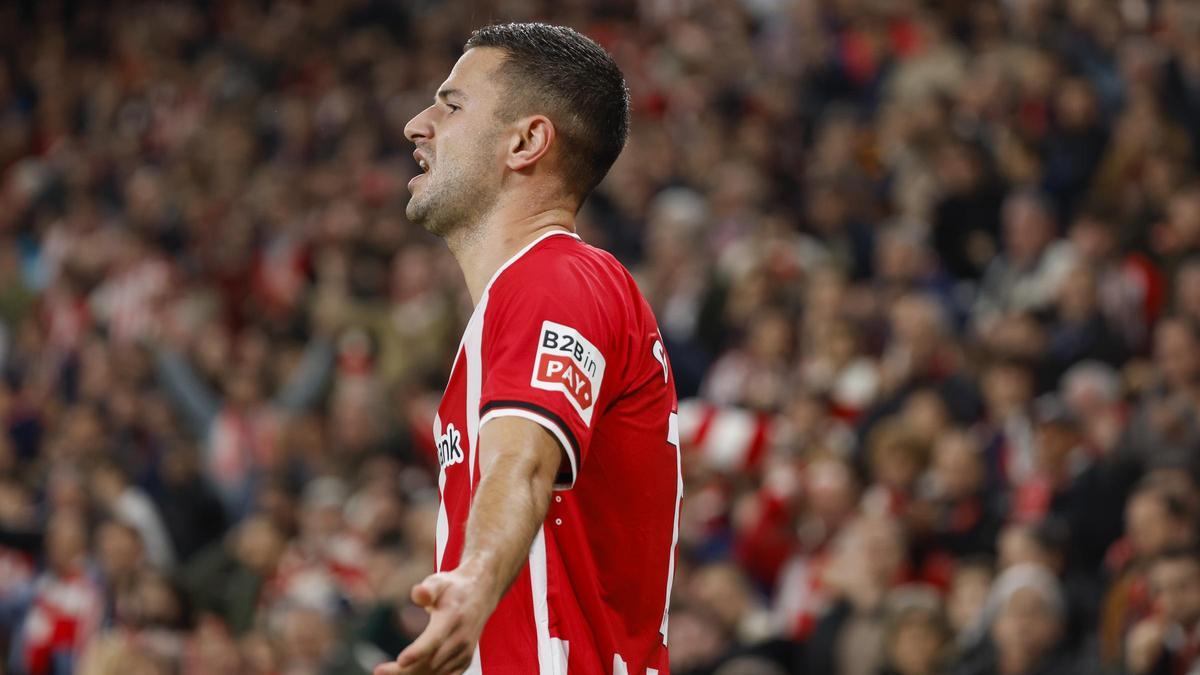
(532, 141)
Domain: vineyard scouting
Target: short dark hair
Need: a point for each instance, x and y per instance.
(573, 81)
(1052, 534)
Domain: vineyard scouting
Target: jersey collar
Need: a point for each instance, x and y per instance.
(517, 256)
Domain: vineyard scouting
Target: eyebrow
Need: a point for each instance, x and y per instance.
(444, 94)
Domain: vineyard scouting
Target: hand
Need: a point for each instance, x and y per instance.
(459, 604)
(1144, 645)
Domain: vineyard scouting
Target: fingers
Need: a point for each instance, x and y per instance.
(445, 646)
(415, 655)
(426, 593)
(446, 660)
(422, 650)
(453, 655)
(389, 668)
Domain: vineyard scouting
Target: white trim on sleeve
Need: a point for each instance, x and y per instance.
(550, 426)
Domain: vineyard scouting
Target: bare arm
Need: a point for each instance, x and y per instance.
(518, 462)
(196, 402)
(305, 386)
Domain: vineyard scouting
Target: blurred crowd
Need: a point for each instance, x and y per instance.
(928, 273)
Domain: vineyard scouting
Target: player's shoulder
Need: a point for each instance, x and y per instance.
(562, 265)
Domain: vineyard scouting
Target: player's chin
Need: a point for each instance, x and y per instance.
(416, 211)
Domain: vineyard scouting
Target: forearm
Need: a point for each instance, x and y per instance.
(518, 460)
(185, 388)
(305, 387)
(509, 507)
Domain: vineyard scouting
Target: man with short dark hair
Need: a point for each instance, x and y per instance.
(1157, 519)
(557, 436)
(1169, 641)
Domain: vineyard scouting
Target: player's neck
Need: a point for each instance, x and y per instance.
(482, 250)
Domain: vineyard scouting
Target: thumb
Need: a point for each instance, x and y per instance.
(426, 593)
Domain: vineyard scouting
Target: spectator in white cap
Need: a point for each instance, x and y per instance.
(1028, 612)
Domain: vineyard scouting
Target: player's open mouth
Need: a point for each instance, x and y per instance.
(423, 165)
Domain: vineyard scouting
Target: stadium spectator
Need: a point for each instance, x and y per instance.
(917, 634)
(1028, 274)
(1028, 623)
(1157, 518)
(1166, 641)
(867, 564)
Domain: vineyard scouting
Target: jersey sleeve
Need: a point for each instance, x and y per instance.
(544, 359)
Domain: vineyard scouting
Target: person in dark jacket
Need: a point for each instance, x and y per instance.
(227, 579)
(869, 561)
(1078, 329)
(1168, 642)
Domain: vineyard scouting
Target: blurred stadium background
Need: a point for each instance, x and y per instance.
(929, 273)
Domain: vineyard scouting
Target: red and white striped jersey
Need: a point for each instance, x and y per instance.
(563, 337)
(65, 613)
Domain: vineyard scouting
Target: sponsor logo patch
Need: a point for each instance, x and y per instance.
(449, 447)
(567, 362)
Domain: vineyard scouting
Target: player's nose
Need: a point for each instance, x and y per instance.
(420, 127)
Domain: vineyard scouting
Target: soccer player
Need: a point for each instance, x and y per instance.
(556, 437)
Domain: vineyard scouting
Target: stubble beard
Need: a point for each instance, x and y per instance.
(453, 200)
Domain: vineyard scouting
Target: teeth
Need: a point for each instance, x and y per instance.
(424, 165)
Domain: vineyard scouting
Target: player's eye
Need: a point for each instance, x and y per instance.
(453, 108)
